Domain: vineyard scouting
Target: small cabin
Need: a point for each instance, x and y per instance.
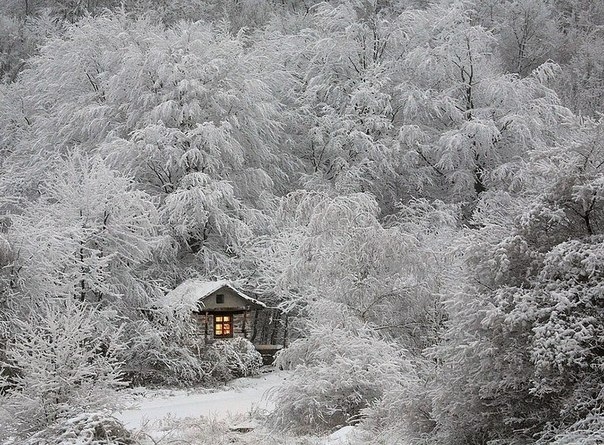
(220, 310)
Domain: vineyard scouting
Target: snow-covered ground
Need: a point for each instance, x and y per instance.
(227, 415)
(241, 396)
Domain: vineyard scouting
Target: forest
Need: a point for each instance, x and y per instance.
(417, 184)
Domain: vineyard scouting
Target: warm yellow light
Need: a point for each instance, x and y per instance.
(223, 325)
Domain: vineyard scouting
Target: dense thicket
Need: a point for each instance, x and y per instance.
(418, 184)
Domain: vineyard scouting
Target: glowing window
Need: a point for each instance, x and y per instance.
(223, 326)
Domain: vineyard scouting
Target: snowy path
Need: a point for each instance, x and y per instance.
(240, 397)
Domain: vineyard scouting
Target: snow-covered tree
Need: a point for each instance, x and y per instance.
(340, 369)
(188, 112)
(65, 362)
(580, 83)
(87, 236)
(345, 103)
(520, 355)
(70, 10)
(335, 249)
(464, 121)
(528, 33)
(326, 154)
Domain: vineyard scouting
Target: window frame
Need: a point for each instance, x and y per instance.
(222, 323)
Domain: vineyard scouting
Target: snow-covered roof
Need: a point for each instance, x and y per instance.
(190, 292)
